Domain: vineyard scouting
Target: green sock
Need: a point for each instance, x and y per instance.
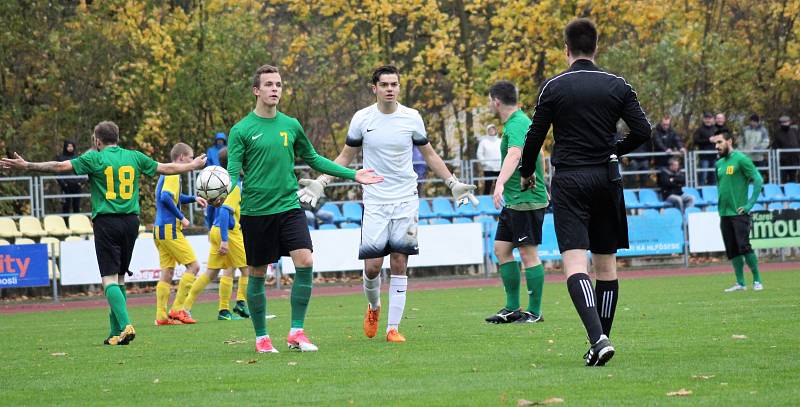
(301, 294)
(534, 279)
(752, 263)
(738, 268)
(257, 300)
(112, 320)
(116, 300)
(509, 272)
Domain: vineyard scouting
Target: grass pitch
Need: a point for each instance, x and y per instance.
(671, 333)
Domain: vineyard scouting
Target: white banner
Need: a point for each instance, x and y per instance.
(704, 233)
(439, 245)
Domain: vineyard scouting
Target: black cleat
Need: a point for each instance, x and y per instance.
(600, 353)
(504, 316)
(529, 318)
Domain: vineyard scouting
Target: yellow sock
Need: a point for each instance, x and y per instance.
(241, 290)
(225, 290)
(162, 298)
(183, 291)
(197, 287)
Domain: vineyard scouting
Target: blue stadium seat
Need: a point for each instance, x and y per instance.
(486, 205)
(442, 208)
(334, 209)
(327, 226)
(698, 200)
(462, 219)
(425, 210)
(439, 221)
(649, 212)
(631, 201)
(774, 193)
(712, 208)
(761, 197)
(468, 210)
(671, 212)
(422, 222)
(775, 206)
(488, 222)
(758, 207)
(710, 194)
(794, 205)
(792, 190)
(352, 212)
(693, 209)
(349, 225)
(649, 199)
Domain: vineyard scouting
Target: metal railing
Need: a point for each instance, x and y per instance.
(28, 183)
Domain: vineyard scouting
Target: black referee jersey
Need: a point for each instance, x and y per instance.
(584, 104)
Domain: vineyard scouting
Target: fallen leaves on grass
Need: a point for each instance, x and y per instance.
(156, 381)
(702, 377)
(735, 336)
(292, 363)
(551, 400)
(252, 361)
(234, 341)
(59, 354)
(680, 393)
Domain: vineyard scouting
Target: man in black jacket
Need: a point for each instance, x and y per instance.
(666, 140)
(701, 141)
(584, 104)
(787, 137)
(671, 182)
(69, 185)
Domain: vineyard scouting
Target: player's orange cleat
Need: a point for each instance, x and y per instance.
(371, 321)
(168, 321)
(394, 336)
(182, 316)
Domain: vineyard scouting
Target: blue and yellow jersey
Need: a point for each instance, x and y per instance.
(227, 218)
(168, 215)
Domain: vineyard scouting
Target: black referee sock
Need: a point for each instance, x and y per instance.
(582, 293)
(606, 294)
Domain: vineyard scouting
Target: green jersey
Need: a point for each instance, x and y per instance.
(114, 178)
(266, 149)
(514, 131)
(734, 173)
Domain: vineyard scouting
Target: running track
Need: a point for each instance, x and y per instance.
(422, 284)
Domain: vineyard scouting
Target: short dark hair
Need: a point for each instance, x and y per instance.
(708, 115)
(262, 70)
(505, 92)
(725, 133)
(755, 118)
(107, 132)
(384, 70)
(580, 35)
(223, 157)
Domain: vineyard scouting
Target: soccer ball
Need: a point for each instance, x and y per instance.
(213, 182)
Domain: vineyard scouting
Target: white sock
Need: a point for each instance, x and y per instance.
(397, 300)
(372, 288)
(293, 330)
(259, 337)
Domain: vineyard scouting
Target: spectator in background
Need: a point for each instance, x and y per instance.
(671, 182)
(69, 185)
(666, 140)
(701, 141)
(212, 154)
(786, 137)
(489, 157)
(755, 137)
(420, 167)
(720, 121)
(635, 163)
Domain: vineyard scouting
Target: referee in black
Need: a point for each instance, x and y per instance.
(584, 104)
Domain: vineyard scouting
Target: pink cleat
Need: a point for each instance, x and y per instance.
(298, 340)
(264, 345)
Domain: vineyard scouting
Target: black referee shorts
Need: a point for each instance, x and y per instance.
(114, 239)
(521, 228)
(736, 235)
(268, 237)
(588, 210)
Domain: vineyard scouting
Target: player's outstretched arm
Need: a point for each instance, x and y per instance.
(462, 193)
(180, 168)
(19, 163)
(314, 189)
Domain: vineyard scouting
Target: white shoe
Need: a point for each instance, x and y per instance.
(757, 286)
(299, 341)
(736, 287)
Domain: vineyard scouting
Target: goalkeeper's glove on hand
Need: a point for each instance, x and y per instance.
(462, 193)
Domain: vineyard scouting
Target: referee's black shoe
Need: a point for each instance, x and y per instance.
(504, 316)
(529, 318)
(600, 353)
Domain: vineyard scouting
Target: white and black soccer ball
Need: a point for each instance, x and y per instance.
(213, 182)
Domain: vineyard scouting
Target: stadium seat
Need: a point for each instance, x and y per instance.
(425, 210)
(672, 212)
(440, 221)
(468, 210)
(4, 242)
(758, 207)
(631, 201)
(712, 208)
(794, 205)
(80, 225)
(649, 199)
(327, 226)
(649, 212)
(73, 239)
(8, 229)
(693, 209)
(334, 209)
(774, 193)
(488, 222)
(352, 212)
(486, 205)
(54, 225)
(24, 240)
(792, 190)
(462, 219)
(349, 225)
(710, 194)
(775, 206)
(442, 208)
(53, 246)
(761, 197)
(698, 200)
(422, 222)
(30, 226)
